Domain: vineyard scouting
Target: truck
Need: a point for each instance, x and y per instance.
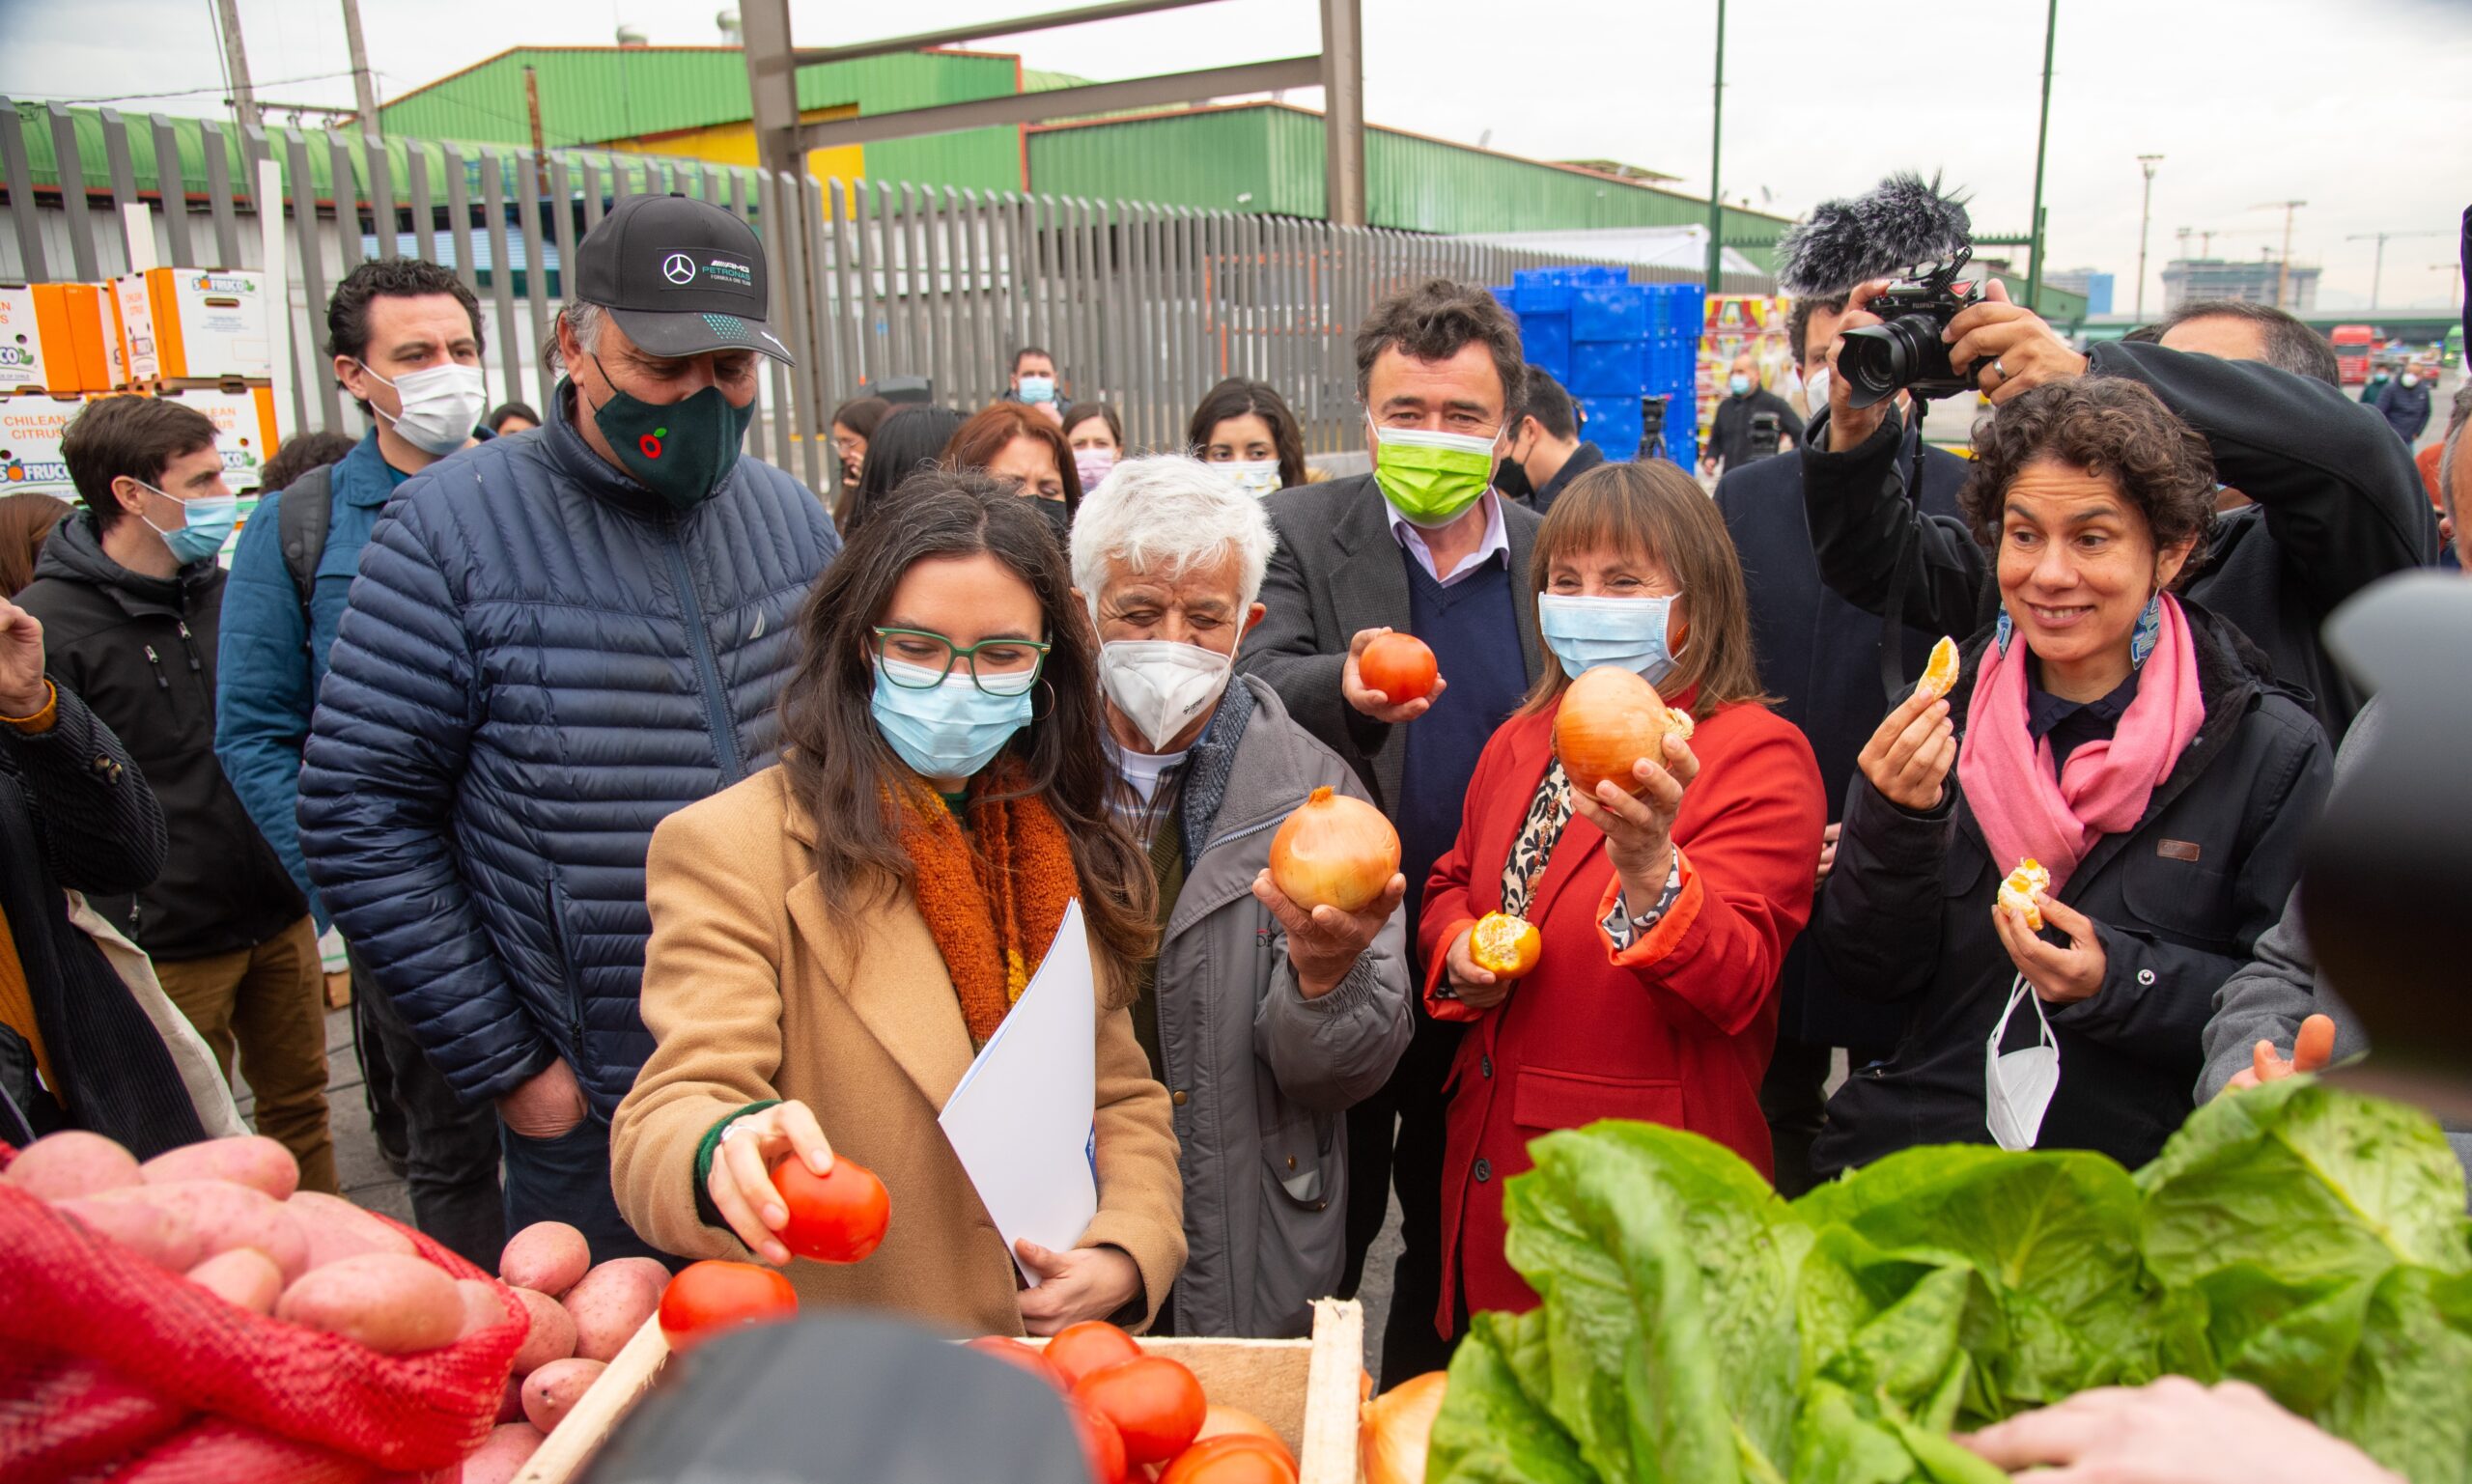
(2354, 344)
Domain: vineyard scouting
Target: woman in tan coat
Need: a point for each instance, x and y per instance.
(835, 937)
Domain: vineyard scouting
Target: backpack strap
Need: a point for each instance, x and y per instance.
(302, 520)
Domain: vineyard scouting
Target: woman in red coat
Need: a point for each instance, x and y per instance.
(1665, 916)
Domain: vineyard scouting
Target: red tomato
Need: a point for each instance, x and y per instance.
(1088, 1346)
(1399, 665)
(713, 1296)
(1100, 1442)
(835, 1218)
(1233, 1458)
(1014, 1353)
(1155, 1402)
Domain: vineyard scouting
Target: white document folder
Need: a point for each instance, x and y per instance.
(1021, 1118)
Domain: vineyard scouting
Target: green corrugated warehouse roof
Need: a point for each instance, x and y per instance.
(1267, 156)
(592, 94)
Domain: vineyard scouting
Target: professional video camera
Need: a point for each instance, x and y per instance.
(1908, 229)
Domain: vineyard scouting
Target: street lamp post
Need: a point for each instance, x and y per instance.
(2144, 217)
(2042, 139)
(1716, 153)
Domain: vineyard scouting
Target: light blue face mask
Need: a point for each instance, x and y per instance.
(1585, 632)
(207, 524)
(946, 731)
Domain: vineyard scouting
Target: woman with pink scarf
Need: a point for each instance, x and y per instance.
(2133, 744)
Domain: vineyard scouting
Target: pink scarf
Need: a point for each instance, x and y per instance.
(2103, 790)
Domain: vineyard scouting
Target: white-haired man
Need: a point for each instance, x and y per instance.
(1266, 1021)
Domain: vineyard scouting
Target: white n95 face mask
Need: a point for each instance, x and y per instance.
(1162, 685)
(441, 405)
(2018, 1086)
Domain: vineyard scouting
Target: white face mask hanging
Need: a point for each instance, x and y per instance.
(2018, 1086)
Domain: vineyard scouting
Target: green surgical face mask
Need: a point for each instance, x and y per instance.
(682, 451)
(1432, 477)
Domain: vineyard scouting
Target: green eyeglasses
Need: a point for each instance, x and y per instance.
(919, 661)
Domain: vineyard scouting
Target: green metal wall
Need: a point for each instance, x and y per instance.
(596, 93)
(1206, 158)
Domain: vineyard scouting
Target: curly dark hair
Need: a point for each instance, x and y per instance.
(1433, 322)
(2113, 429)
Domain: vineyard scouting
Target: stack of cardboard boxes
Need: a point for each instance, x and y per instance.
(1737, 322)
(200, 335)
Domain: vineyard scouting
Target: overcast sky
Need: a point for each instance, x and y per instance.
(2361, 107)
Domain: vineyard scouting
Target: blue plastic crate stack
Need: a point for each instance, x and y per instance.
(1610, 343)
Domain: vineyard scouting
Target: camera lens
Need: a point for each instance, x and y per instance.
(1877, 360)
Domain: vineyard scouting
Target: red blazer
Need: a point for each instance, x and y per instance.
(1677, 1029)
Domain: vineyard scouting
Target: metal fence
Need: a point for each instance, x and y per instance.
(1143, 306)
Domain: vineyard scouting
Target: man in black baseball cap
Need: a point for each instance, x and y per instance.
(556, 641)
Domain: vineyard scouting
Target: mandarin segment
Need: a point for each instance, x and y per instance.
(1940, 674)
(2017, 892)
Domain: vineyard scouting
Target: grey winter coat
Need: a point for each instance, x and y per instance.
(1260, 1076)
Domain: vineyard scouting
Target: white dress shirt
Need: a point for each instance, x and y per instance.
(1496, 538)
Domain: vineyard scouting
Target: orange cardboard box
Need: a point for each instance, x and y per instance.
(53, 338)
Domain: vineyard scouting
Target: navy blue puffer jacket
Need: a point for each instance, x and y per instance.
(540, 662)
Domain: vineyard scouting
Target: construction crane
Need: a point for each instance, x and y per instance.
(2282, 271)
(2377, 274)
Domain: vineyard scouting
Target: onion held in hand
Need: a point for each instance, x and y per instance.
(1610, 720)
(1334, 852)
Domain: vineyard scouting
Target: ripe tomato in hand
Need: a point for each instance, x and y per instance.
(1233, 1458)
(1091, 1345)
(712, 1296)
(838, 1216)
(1399, 665)
(1101, 1443)
(1155, 1402)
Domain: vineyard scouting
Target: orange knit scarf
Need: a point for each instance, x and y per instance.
(993, 908)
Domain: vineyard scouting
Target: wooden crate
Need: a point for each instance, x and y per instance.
(1307, 1389)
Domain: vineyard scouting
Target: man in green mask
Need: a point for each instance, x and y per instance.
(553, 642)
(1424, 544)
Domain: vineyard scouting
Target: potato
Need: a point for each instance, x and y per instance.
(511, 1402)
(482, 1306)
(227, 1215)
(73, 1163)
(551, 1337)
(243, 1276)
(552, 1390)
(504, 1456)
(337, 1228)
(251, 1160)
(612, 1302)
(391, 1304)
(548, 1257)
(164, 1238)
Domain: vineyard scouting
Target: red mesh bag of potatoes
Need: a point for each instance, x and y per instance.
(111, 1367)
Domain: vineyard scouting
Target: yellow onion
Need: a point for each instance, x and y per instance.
(1396, 1428)
(1334, 852)
(1610, 720)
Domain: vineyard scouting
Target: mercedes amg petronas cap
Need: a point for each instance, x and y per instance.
(681, 276)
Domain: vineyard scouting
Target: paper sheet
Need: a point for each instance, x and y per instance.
(1021, 1118)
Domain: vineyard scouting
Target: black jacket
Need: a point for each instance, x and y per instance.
(2405, 408)
(1819, 655)
(1729, 433)
(1586, 457)
(141, 652)
(2177, 902)
(73, 814)
(2338, 506)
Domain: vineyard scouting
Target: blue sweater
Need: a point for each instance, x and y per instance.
(271, 657)
(1472, 628)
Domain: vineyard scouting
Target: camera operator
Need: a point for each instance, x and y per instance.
(1733, 442)
(2336, 499)
(1820, 657)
